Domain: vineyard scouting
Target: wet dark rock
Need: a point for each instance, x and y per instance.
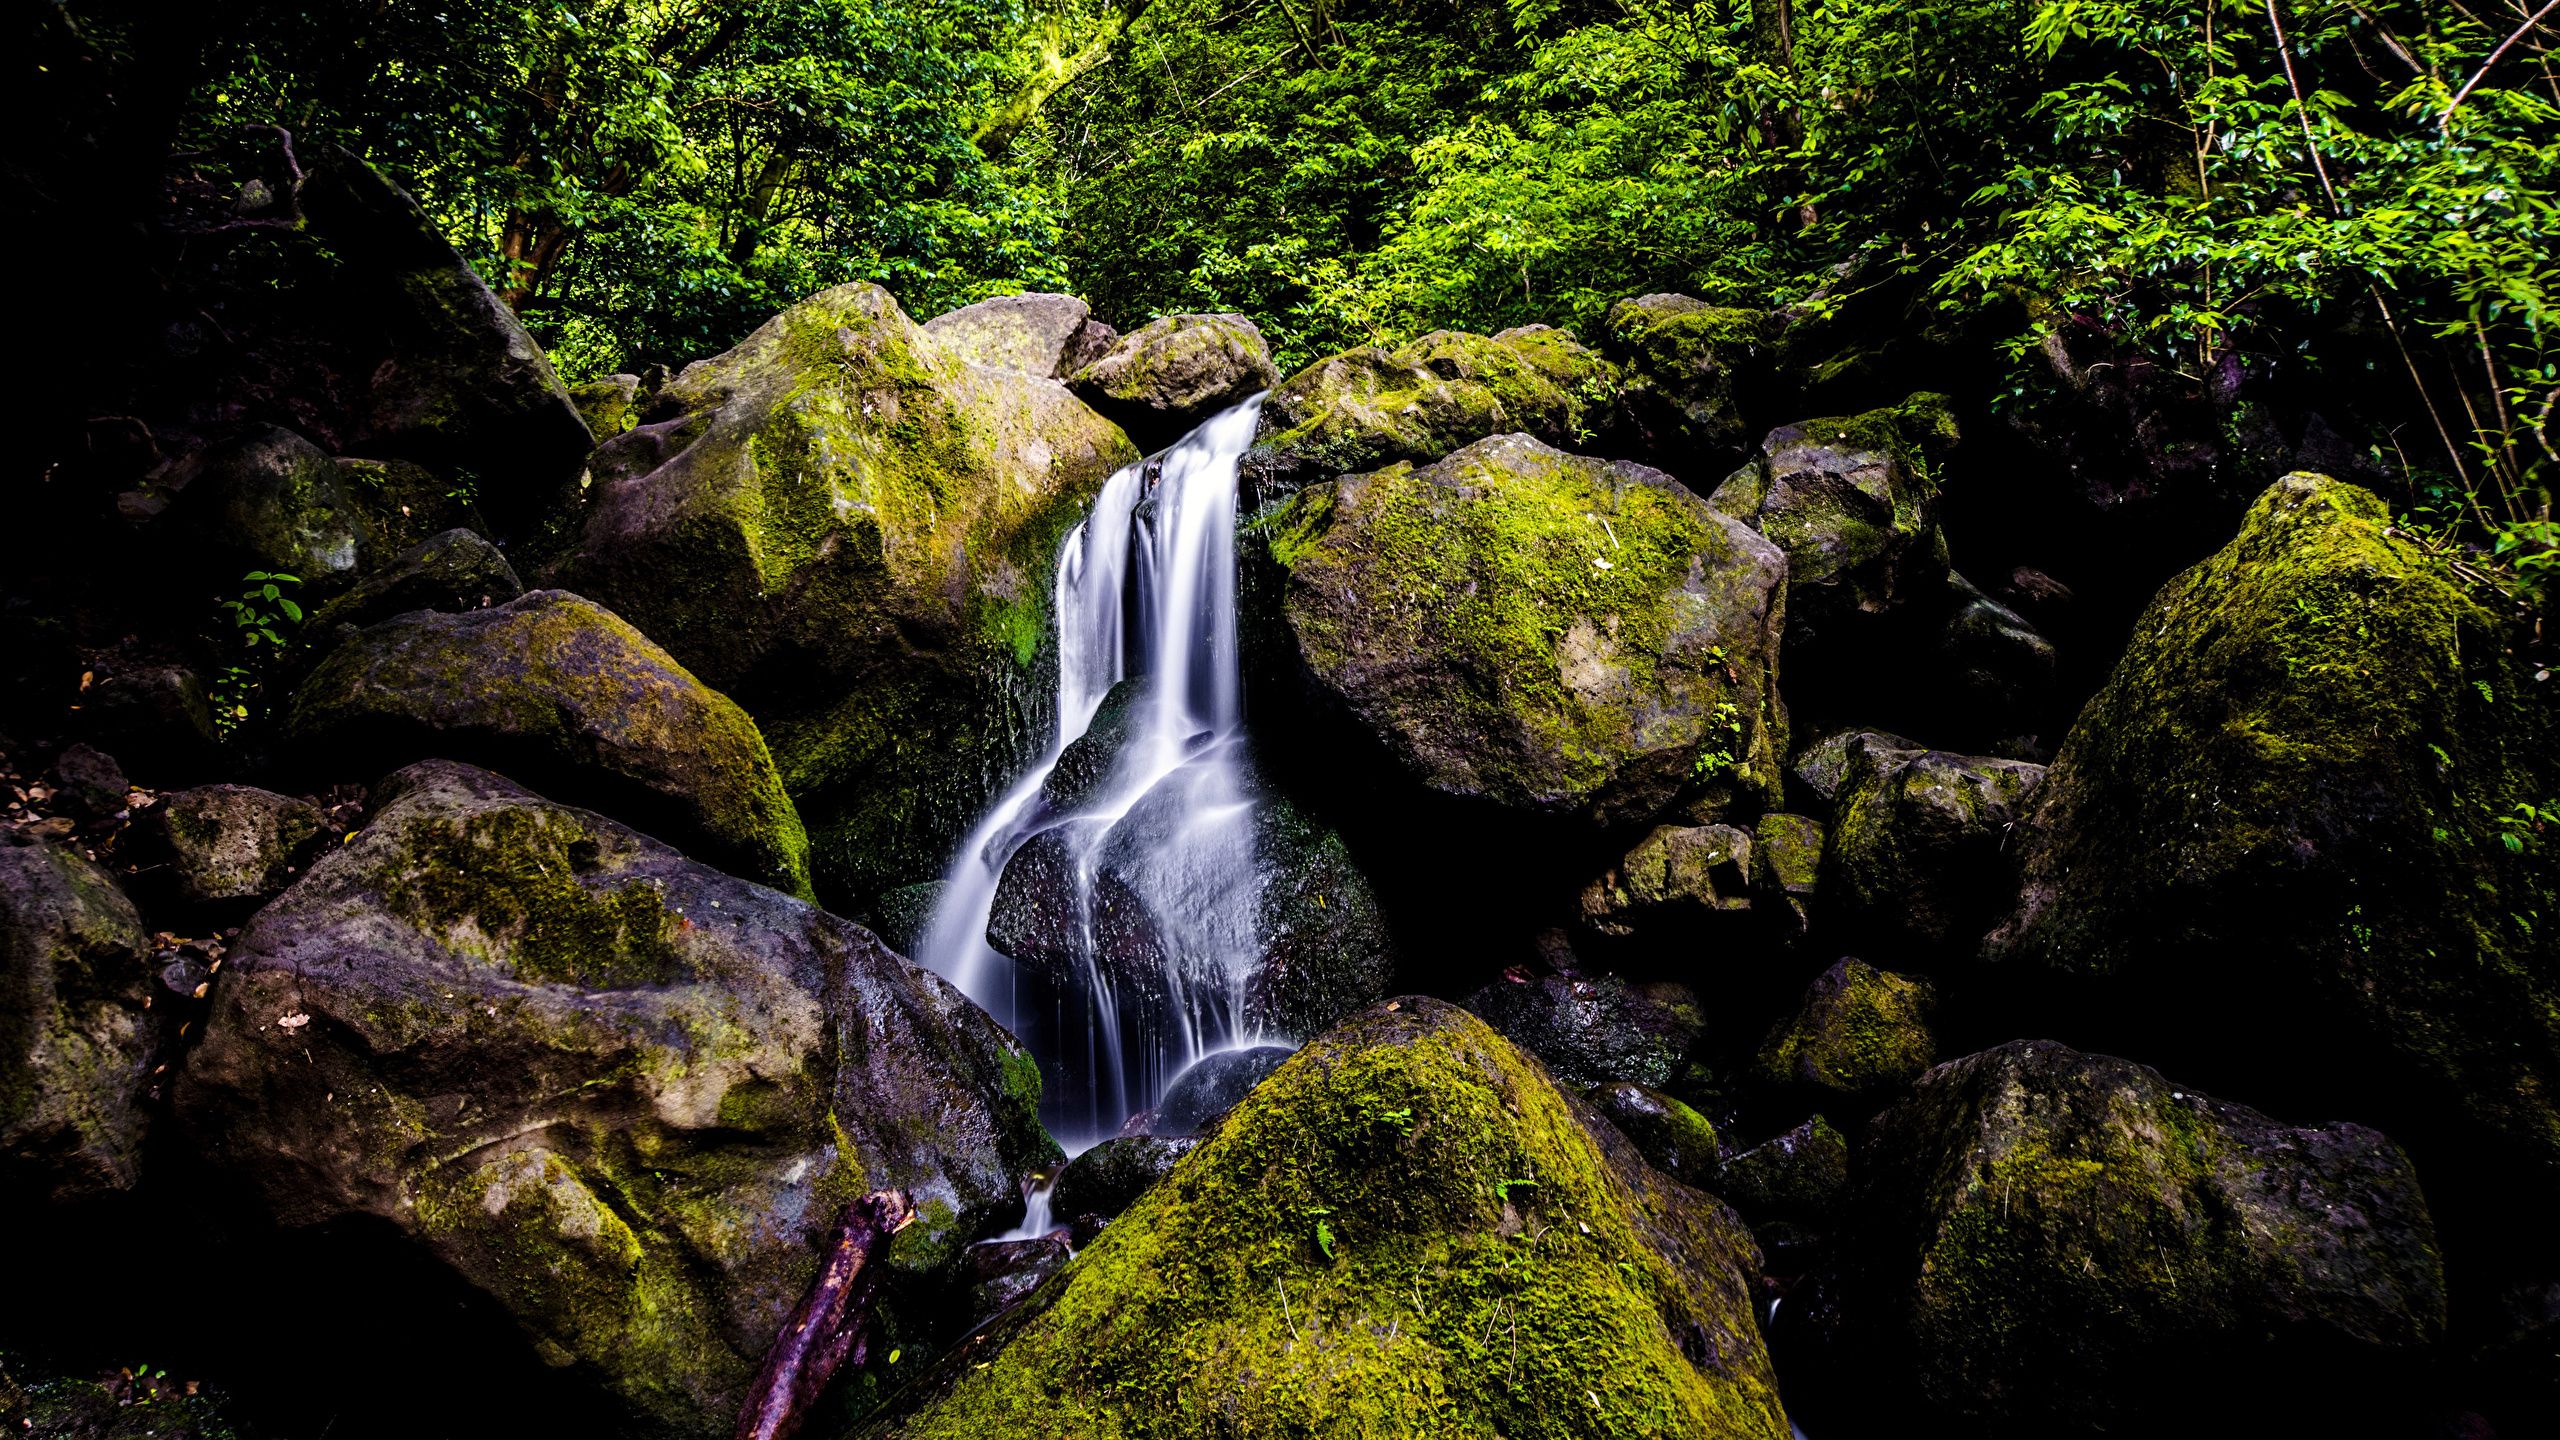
(1213, 1085)
(2044, 1242)
(1594, 1029)
(1801, 1176)
(455, 570)
(1001, 1272)
(1556, 636)
(235, 842)
(88, 784)
(561, 690)
(1861, 1034)
(1109, 1178)
(622, 1094)
(1050, 336)
(1162, 379)
(1835, 760)
(1674, 1139)
(76, 1047)
(1088, 760)
(1918, 856)
(1997, 670)
(899, 917)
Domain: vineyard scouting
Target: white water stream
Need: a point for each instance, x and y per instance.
(1146, 586)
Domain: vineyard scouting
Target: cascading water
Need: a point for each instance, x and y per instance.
(1146, 587)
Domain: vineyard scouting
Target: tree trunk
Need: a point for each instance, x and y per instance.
(824, 1330)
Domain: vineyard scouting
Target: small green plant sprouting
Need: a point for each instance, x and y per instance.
(261, 615)
(1502, 1188)
(1324, 1232)
(1717, 752)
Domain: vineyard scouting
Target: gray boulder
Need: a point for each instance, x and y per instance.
(1595, 1029)
(1109, 1178)
(1210, 1087)
(1918, 854)
(268, 500)
(455, 570)
(1681, 358)
(230, 843)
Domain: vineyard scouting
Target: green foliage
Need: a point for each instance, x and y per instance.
(260, 617)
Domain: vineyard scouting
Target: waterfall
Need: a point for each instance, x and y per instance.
(1155, 857)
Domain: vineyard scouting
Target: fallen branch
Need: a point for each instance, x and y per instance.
(825, 1328)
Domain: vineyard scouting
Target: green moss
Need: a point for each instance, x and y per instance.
(1403, 1232)
(513, 874)
(1862, 1030)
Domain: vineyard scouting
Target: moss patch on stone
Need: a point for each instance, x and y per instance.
(1403, 1231)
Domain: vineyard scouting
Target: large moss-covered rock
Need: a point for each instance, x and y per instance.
(1682, 360)
(561, 690)
(1165, 377)
(1373, 406)
(2282, 848)
(75, 1045)
(1853, 500)
(621, 1093)
(2044, 1242)
(1051, 336)
(1861, 1033)
(1918, 848)
(1547, 633)
(1406, 1231)
(853, 534)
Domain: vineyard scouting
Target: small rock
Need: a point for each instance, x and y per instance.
(1861, 1033)
(1048, 336)
(236, 842)
(1001, 1272)
(1201, 1095)
(1109, 1178)
(1681, 880)
(1801, 1176)
(1918, 851)
(1675, 1139)
(88, 784)
(76, 1045)
(1592, 1030)
(157, 720)
(1164, 378)
(456, 570)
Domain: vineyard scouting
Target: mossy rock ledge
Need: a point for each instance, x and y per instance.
(557, 688)
(2276, 853)
(1406, 1230)
(853, 533)
(2044, 1242)
(623, 1094)
(1556, 636)
(1369, 407)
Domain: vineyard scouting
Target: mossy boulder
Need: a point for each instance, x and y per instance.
(1406, 1231)
(266, 500)
(1557, 636)
(454, 570)
(1370, 407)
(1050, 336)
(1861, 1034)
(1853, 500)
(1683, 881)
(1596, 1029)
(1165, 377)
(76, 1048)
(1684, 362)
(1798, 1178)
(2282, 848)
(1789, 849)
(2043, 1242)
(1672, 1137)
(621, 1093)
(854, 534)
(610, 404)
(229, 844)
(1917, 852)
(559, 689)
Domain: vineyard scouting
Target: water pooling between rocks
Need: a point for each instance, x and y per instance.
(1143, 874)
